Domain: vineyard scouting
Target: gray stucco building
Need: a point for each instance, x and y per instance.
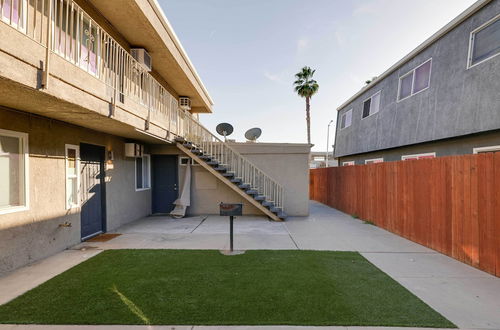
(441, 99)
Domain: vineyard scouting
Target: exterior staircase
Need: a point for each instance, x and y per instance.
(230, 167)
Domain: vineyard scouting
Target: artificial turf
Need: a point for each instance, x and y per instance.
(207, 288)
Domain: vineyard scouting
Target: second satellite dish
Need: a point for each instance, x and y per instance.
(224, 129)
(253, 134)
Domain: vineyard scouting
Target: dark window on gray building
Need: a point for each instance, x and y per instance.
(366, 108)
(372, 105)
(485, 42)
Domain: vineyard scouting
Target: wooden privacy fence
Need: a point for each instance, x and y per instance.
(449, 204)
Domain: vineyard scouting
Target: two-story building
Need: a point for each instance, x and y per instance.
(441, 99)
(98, 102)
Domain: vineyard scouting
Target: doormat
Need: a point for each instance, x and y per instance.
(103, 237)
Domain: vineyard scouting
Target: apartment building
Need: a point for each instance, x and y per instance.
(441, 99)
(98, 102)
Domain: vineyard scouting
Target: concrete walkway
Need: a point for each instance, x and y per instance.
(466, 296)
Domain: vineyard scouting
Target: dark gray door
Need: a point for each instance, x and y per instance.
(165, 181)
(92, 189)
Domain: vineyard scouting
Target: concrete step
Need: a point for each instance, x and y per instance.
(213, 163)
(220, 168)
(228, 174)
(236, 180)
(282, 215)
(244, 186)
(252, 191)
(259, 198)
(268, 204)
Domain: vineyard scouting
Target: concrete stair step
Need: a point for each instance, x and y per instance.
(259, 198)
(268, 204)
(252, 191)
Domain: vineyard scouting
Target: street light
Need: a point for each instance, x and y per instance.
(328, 141)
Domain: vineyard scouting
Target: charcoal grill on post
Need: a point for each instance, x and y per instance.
(231, 210)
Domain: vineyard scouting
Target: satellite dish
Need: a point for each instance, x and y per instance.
(253, 134)
(224, 129)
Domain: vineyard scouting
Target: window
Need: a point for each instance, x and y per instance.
(372, 105)
(72, 176)
(374, 161)
(13, 171)
(415, 81)
(346, 119)
(419, 156)
(484, 42)
(142, 173)
(349, 163)
(14, 13)
(483, 150)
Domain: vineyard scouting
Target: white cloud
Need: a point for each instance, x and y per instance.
(274, 77)
(302, 44)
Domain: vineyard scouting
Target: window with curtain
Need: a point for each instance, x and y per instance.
(372, 105)
(13, 173)
(485, 42)
(415, 81)
(346, 119)
(14, 12)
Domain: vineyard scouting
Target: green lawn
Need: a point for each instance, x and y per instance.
(205, 287)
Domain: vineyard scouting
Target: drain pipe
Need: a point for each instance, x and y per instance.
(45, 74)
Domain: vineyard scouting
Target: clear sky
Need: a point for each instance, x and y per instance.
(247, 51)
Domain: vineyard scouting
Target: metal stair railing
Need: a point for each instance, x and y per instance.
(225, 155)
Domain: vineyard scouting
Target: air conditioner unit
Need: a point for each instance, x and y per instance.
(184, 103)
(143, 57)
(134, 150)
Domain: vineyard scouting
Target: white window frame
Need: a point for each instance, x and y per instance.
(77, 165)
(149, 172)
(471, 43)
(485, 149)
(349, 163)
(22, 4)
(345, 114)
(370, 98)
(413, 81)
(406, 157)
(25, 146)
(374, 160)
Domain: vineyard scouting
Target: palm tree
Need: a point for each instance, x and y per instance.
(306, 87)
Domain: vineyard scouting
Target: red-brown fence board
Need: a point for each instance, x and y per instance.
(449, 204)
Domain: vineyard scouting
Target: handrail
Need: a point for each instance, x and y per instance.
(76, 37)
(227, 156)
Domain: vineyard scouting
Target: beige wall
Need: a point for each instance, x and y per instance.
(29, 235)
(286, 163)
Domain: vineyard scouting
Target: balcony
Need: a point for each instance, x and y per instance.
(65, 54)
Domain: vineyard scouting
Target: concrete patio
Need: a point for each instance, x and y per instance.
(466, 296)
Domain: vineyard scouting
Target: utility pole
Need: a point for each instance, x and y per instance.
(327, 141)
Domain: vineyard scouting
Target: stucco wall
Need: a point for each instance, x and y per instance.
(449, 147)
(459, 101)
(33, 234)
(286, 163)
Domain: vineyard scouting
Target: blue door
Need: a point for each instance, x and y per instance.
(92, 188)
(165, 182)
